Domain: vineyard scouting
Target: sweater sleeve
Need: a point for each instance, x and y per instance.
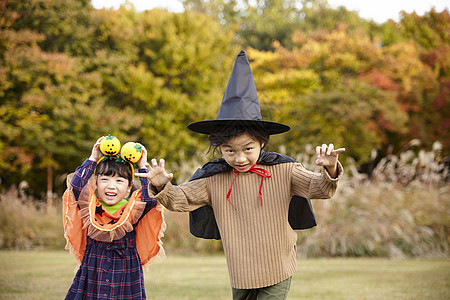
(184, 197)
(81, 176)
(314, 185)
(149, 201)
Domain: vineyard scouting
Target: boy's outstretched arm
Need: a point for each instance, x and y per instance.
(157, 174)
(327, 156)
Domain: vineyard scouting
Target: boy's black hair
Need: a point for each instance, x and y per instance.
(223, 135)
(109, 167)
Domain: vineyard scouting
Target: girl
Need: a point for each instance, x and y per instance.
(251, 199)
(111, 236)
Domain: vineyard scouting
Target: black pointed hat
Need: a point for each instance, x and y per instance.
(240, 103)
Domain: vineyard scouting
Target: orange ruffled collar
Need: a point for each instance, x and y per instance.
(87, 217)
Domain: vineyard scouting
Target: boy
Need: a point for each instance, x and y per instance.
(248, 195)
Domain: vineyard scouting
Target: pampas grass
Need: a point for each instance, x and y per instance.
(28, 224)
(401, 210)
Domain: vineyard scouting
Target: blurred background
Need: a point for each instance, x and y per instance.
(74, 70)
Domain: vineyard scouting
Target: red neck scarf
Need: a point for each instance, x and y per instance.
(263, 173)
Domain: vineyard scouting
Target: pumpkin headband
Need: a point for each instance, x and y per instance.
(129, 153)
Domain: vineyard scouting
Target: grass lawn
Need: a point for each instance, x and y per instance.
(48, 274)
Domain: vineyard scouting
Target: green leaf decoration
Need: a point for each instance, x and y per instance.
(138, 148)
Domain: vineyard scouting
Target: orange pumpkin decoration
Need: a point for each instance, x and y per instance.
(131, 152)
(110, 145)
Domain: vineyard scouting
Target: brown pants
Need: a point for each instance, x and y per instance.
(277, 291)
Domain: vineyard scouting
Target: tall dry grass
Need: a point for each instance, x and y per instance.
(401, 210)
(28, 224)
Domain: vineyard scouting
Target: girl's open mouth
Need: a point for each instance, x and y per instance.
(110, 195)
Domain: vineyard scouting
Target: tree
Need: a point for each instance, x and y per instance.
(66, 26)
(417, 62)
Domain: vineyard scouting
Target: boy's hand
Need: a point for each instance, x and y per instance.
(157, 174)
(96, 154)
(327, 156)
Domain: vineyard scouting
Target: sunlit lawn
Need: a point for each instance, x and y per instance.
(48, 274)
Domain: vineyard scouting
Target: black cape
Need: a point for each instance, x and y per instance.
(202, 222)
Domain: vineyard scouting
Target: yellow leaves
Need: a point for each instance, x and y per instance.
(142, 84)
(274, 96)
(338, 49)
(59, 64)
(295, 81)
(346, 61)
(262, 61)
(34, 98)
(313, 50)
(278, 77)
(116, 23)
(403, 61)
(299, 38)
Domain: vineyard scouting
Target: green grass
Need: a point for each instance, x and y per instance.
(48, 275)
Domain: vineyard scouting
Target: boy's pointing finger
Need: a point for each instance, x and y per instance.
(340, 150)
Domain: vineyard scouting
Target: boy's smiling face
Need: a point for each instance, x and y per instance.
(112, 188)
(241, 152)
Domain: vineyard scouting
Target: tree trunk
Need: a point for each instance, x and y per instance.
(49, 183)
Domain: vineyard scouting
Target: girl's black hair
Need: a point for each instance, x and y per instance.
(109, 167)
(223, 135)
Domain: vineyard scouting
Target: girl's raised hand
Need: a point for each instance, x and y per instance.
(96, 154)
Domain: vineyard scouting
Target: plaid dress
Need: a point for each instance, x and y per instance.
(109, 270)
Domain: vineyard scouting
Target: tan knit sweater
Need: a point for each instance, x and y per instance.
(259, 244)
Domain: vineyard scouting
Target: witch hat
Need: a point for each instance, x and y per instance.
(240, 103)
